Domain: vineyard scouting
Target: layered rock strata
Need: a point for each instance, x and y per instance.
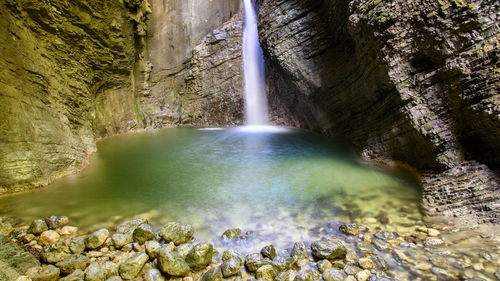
(413, 81)
(75, 72)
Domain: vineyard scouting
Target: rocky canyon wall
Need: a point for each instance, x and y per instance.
(194, 52)
(61, 64)
(410, 81)
(75, 71)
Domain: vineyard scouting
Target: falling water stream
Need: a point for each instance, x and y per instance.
(253, 70)
(278, 185)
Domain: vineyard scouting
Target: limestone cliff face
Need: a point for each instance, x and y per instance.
(411, 81)
(75, 71)
(63, 63)
(194, 53)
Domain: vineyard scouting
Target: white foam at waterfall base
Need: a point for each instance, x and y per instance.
(253, 70)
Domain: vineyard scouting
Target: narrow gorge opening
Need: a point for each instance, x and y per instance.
(142, 136)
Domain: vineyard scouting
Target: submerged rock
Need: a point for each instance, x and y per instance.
(382, 245)
(349, 229)
(365, 248)
(303, 276)
(384, 235)
(231, 233)
(72, 263)
(176, 232)
(299, 251)
(329, 249)
(283, 264)
(288, 275)
(200, 256)
(433, 242)
(231, 267)
(37, 227)
(269, 252)
(255, 261)
(96, 239)
(266, 272)
(43, 273)
(213, 274)
(133, 265)
(172, 263)
(380, 263)
(324, 265)
(365, 263)
(334, 275)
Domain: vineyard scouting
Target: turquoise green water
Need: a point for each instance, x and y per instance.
(278, 182)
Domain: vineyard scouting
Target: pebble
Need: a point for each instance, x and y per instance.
(363, 275)
(365, 263)
(433, 242)
(324, 265)
(48, 237)
(68, 230)
(433, 232)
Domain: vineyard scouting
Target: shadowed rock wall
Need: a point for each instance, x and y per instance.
(411, 81)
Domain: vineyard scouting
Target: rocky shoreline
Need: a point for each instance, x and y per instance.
(51, 249)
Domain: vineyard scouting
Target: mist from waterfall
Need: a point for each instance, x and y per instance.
(253, 70)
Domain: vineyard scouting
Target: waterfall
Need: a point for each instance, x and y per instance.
(253, 70)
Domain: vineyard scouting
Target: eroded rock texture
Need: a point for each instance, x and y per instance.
(411, 81)
(205, 90)
(194, 51)
(64, 66)
(75, 71)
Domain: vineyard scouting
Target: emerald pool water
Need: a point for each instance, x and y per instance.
(280, 180)
(278, 185)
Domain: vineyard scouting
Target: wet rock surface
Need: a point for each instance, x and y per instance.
(404, 81)
(399, 255)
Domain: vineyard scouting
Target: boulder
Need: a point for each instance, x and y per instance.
(43, 273)
(96, 239)
(152, 248)
(349, 229)
(71, 263)
(121, 239)
(37, 227)
(268, 252)
(230, 267)
(213, 274)
(334, 275)
(143, 233)
(231, 233)
(200, 256)
(95, 272)
(329, 249)
(255, 261)
(130, 226)
(133, 265)
(172, 263)
(176, 232)
(48, 237)
(77, 275)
